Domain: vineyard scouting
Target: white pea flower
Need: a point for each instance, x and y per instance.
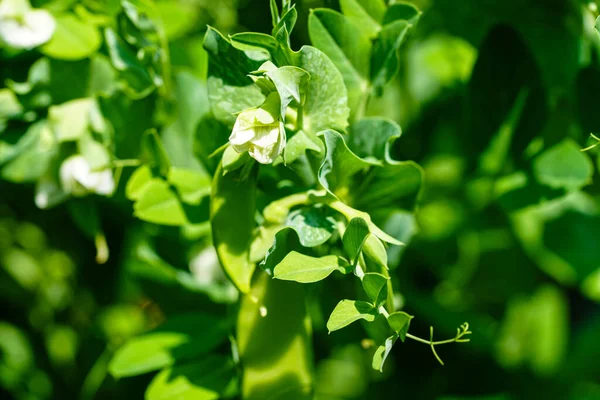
(78, 179)
(23, 27)
(206, 268)
(260, 131)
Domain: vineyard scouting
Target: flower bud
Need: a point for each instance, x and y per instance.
(260, 131)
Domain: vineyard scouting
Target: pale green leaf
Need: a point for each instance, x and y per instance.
(299, 144)
(306, 269)
(349, 311)
(73, 39)
(365, 14)
(138, 181)
(192, 186)
(563, 166)
(313, 225)
(382, 353)
(158, 204)
(326, 105)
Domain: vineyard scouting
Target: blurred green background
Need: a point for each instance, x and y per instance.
(504, 241)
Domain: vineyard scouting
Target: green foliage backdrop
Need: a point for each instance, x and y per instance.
(321, 199)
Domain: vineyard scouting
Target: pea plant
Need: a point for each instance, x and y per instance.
(288, 184)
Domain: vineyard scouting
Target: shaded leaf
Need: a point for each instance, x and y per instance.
(563, 166)
(181, 338)
(232, 219)
(376, 287)
(355, 235)
(313, 225)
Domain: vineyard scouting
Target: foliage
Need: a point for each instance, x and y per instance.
(205, 200)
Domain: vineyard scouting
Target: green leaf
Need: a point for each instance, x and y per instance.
(349, 311)
(71, 120)
(232, 219)
(355, 235)
(154, 153)
(400, 322)
(290, 83)
(313, 225)
(371, 138)
(9, 105)
(306, 269)
(192, 186)
(375, 251)
(339, 164)
(226, 62)
(326, 105)
(285, 241)
(376, 287)
(72, 39)
(346, 46)
(365, 14)
(384, 61)
(158, 204)
(181, 338)
(563, 166)
(205, 379)
(299, 144)
(351, 213)
(135, 75)
(138, 181)
(382, 353)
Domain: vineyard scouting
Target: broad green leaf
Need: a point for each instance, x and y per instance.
(346, 46)
(376, 287)
(192, 186)
(263, 46)
(365, 14)
(313, 225)
(290, 83)
(371, 138)
(275, 342)
(205, 379)
(285, 241)
(400, 322)
(326, 105)
(158, 204)
(349, 311)
(138, 181)
(73, 39)
(181, 338)
(339, 164)
(355, 235)
(299, 144)
(306, 269)
(382, 353)
(226, 62)
(384, 61)
(232, 219)
(563, 166)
